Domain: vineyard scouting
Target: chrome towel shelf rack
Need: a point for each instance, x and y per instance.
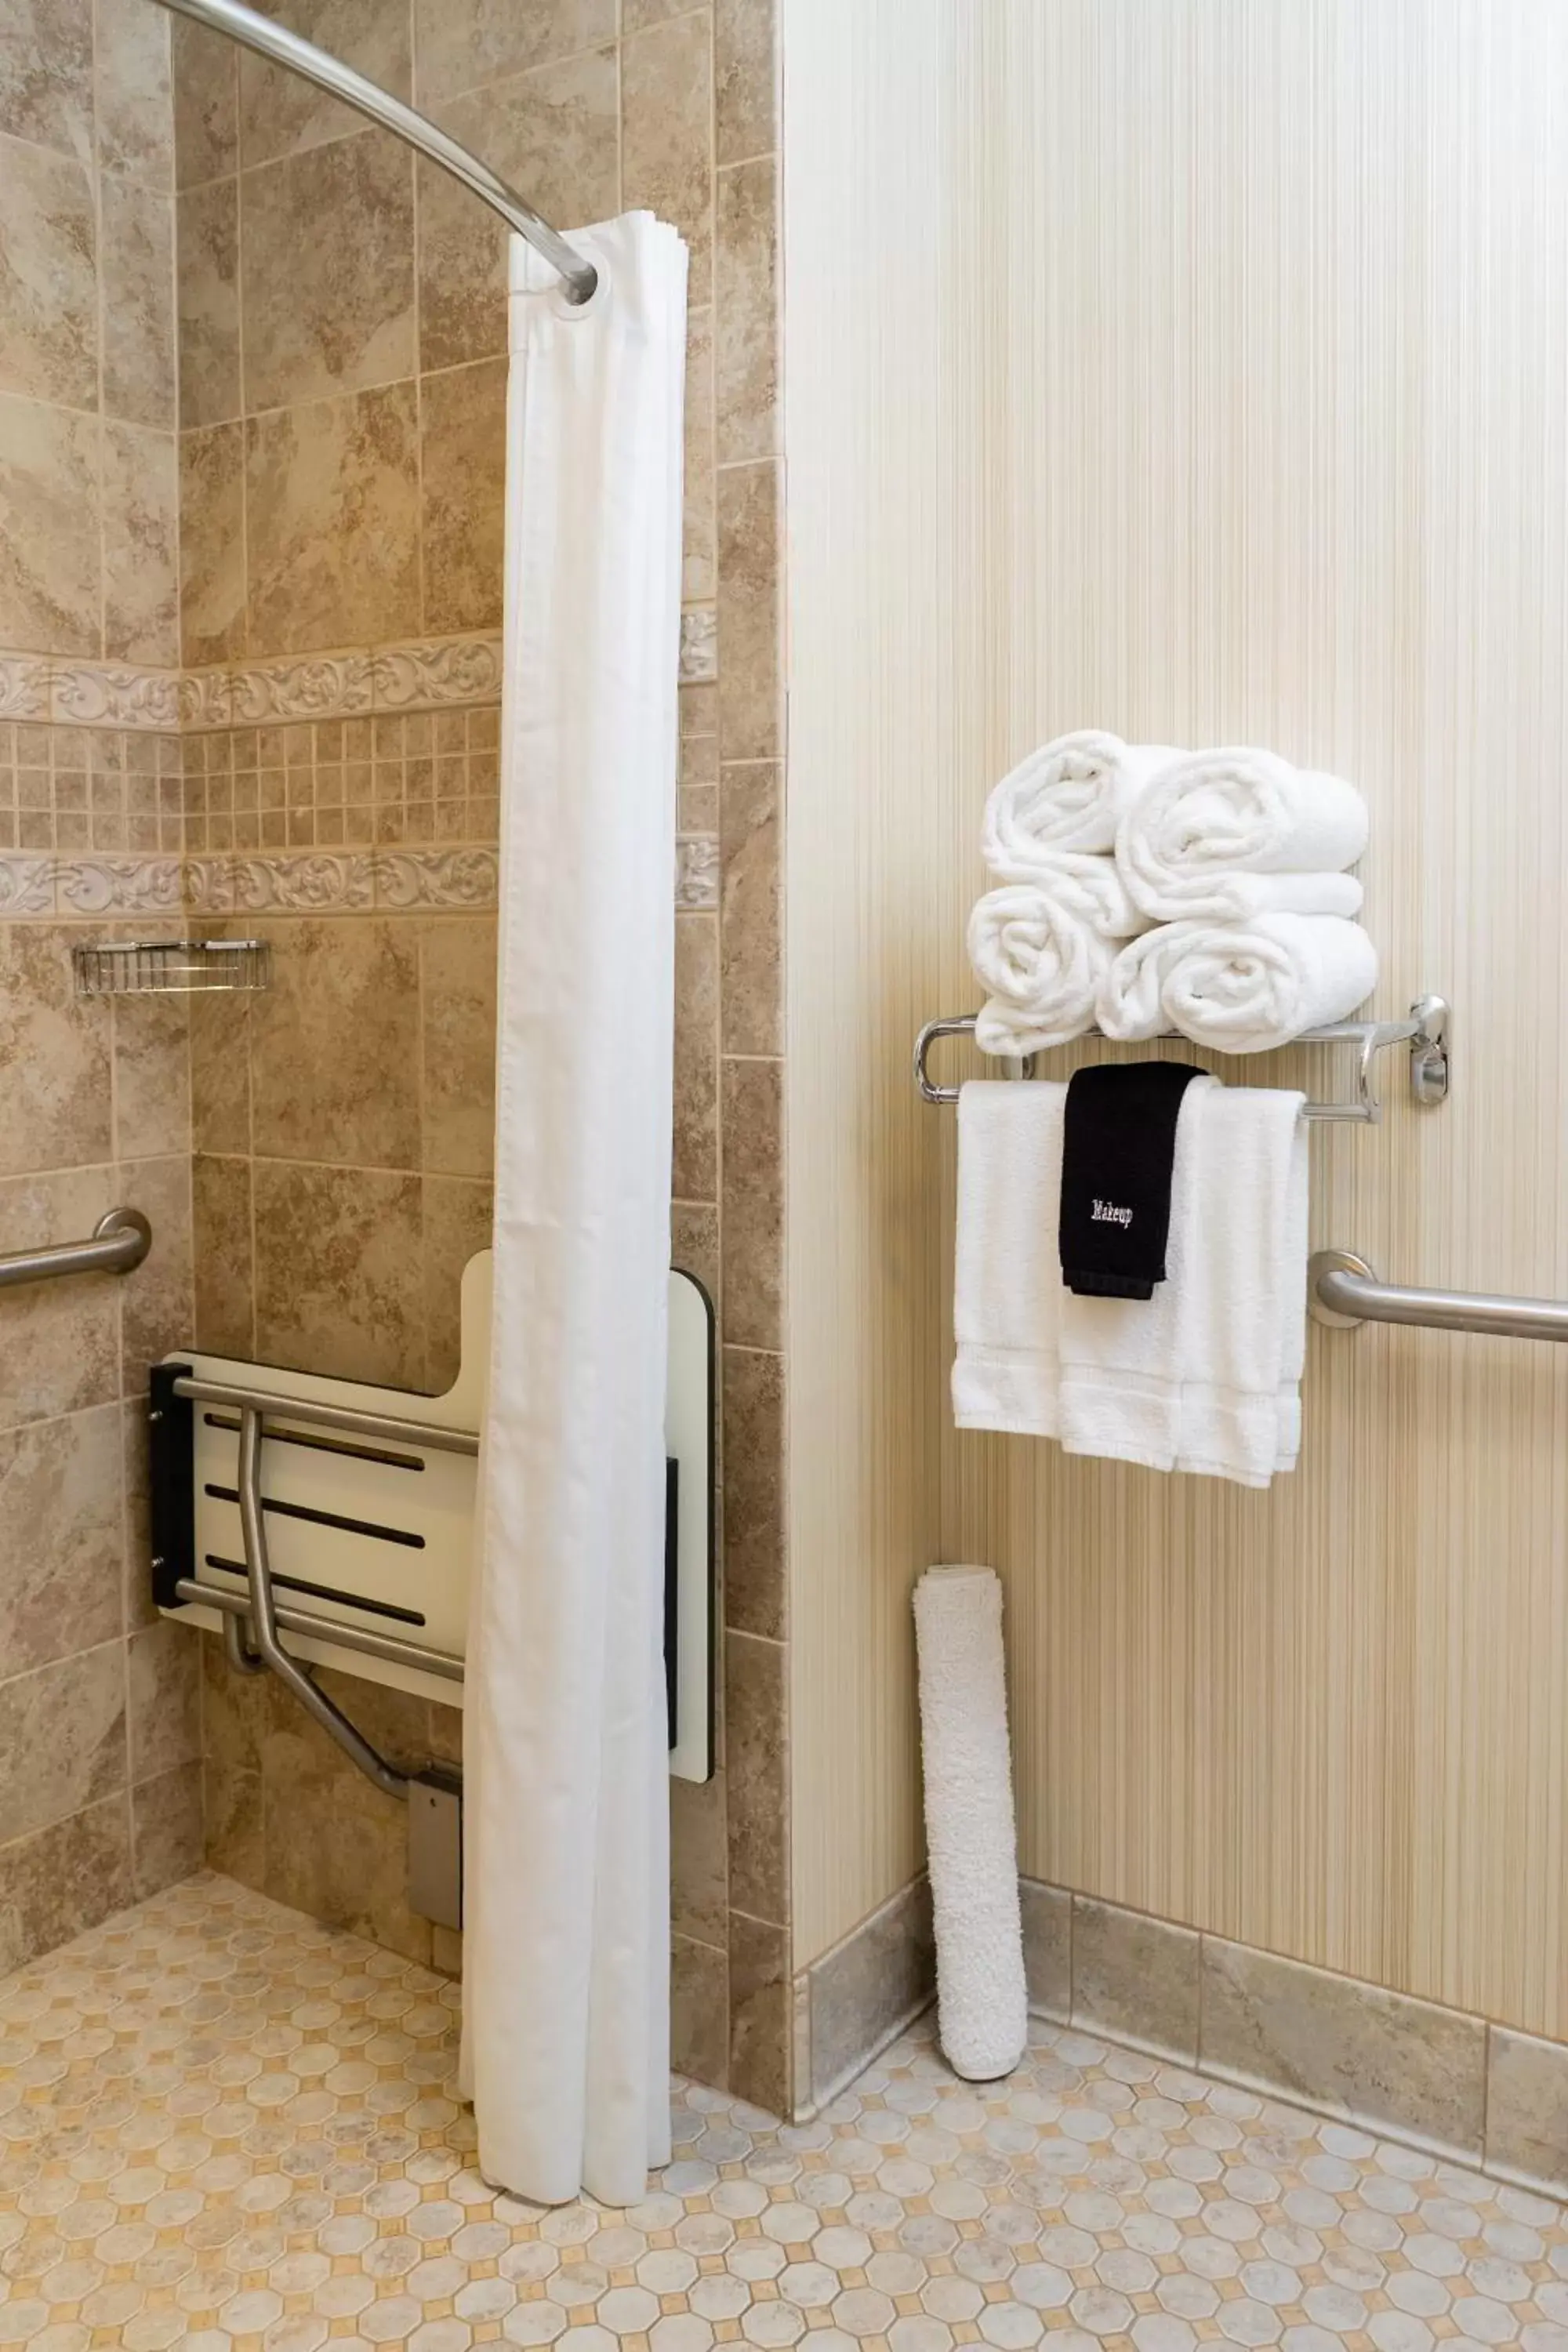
(121, 1240)
(1424, 1031)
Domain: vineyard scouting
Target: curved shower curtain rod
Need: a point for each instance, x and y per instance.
(329, 73)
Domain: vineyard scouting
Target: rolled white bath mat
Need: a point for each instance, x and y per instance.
(982, 1998)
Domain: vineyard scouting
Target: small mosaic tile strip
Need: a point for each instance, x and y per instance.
(223, 2125)
(420, 777)
(78, 788)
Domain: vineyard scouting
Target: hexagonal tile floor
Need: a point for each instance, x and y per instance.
(224, 2125)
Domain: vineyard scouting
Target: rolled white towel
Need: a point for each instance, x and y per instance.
(1244, 988)
(1069, 795)
(1220, 836)
(1042, 949)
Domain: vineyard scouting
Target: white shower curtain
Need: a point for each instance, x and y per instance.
(566, 1964)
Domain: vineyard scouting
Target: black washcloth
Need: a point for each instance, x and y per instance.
(1118, 1144)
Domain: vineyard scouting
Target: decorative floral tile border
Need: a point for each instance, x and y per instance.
(428, 674)
(304, 882)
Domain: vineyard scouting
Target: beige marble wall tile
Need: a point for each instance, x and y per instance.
(745, 80)
(233, 1824)
(335, 1042)
(751, 909)
(279, 114)
(166, 1828)
(206, 103)
(211, 544)
(50, 572)
(1135, 1977)
(749, 606)
(237, 1711)
(751, 1207)
(867, 1989)
(332, 522)
(1402, 2063)
(1048, 1945)
(45, 74)
(745, 311)
(760, 2015)
(327, 313)
(220, 1073)
(694, 1243)
(140, 545)
(64, 1879)
(223, 1275)
(699, 2010)
(133, 1444)
(207, 232)
(457, 1221)
(457, 1000)
(151, 1076)
(335, 1847)
(136, 263)
(1527, 2109)
(54, 1095)
(700, 572)
(67, 1719)
(135, 83)
(699, 1862)
(461, 43)
(666, 133)
(463, 495)
(696, 1173)
(755, 1567)
(756, 1763)
(165, 1686)
(62, 1537)
(49, 276)
(557, 132)
(59, 1342)
(338, 1272)
(157, 1300)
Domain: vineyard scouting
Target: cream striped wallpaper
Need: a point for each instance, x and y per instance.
(1197, 368)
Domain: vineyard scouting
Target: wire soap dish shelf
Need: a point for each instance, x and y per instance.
(1424, 1031)
(170, 966)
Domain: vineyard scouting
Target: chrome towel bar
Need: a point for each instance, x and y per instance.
(1426, 1031)
(121, 1240)
(1343, 1292)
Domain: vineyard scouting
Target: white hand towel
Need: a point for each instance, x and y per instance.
(1008, 1282)
(1041, 951)
(1220, 836)
(1070, 794)
(1123, 1359)
(1244, 988)
(1243, 1307)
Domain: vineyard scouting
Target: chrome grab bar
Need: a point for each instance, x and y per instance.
(121, 1240)
(1343, 1292)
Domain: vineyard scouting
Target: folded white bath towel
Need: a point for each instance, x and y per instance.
(1244, 988)
(1205, 1376)
(1069, 795)
(1041, 951)
(1220, 836)
(1244, 1312)
(1007, 1290)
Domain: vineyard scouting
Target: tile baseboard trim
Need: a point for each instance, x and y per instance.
(1445, 2081)
(859, 1997)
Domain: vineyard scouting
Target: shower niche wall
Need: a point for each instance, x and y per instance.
(299, 713)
